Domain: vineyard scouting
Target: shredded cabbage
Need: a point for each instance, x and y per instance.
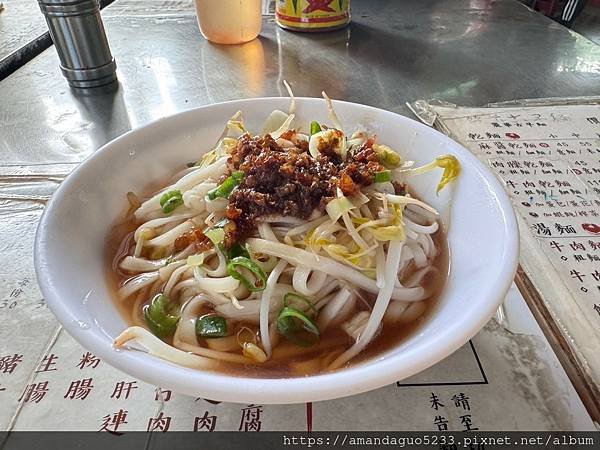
(449, 163)
(338, 206)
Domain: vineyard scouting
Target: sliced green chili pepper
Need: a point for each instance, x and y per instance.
(211, 327)
(382, 177)
(291, 296)
(171, 200)
(236, 250)
(248, 264)
(161, 316)
(314, 127)
(225, 188)
(296, 327)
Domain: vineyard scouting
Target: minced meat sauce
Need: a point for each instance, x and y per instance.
(289, 181)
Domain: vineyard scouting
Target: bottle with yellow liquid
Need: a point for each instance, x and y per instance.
(312, 15)
(229, 21)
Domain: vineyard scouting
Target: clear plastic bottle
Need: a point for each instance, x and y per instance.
(229, 21)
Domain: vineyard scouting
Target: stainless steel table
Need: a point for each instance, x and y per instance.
(466, 52)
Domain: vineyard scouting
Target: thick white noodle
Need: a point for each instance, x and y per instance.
(158, 348)
(155, 223)
(265, 232)
(355, 326)
(174, 278)
(336, 309)
(265, 304)
(195, 198)
(307, 281)
(381, 303)
(133, 264)
(169, 237)
(216, 205)
(137, 311)
(139, 246)
(136, 283)
(395, 309)
(418, 228)
(413, 312)
(215, 285)
(419, 256)
(186, 328)
(185, 335)
(298, 256)
(165, 272)
(220, 270)
(426, 243)
(213, 171)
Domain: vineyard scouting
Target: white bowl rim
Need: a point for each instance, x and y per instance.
(371, 375)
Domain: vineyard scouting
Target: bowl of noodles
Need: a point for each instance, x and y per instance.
(277, 250)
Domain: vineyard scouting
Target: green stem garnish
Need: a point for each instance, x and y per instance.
(171, 200)
(314, 127)
(382, 177)
(162, 316)
(246, 263)
(225, 188)
(236, 250)
(211, 327)
(291, 299)
(296, 327)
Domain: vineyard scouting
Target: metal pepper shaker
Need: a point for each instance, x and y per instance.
(78, 34)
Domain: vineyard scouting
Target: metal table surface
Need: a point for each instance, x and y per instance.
(465, 52)
(20, 23)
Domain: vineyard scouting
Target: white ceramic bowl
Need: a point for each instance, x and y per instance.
(71, 270)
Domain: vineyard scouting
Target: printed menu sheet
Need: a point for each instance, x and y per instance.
(506, 378)
(548, 156)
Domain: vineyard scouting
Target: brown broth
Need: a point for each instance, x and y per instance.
(117, 246)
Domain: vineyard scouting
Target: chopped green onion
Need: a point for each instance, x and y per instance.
(225, 188)
(382, 177)
(338, 206)
(195, 260)
(211, 327)
(288, 299)
(162, 316)
(247, 263)
(314, 127)
(171, 200)
(237, 250)
(296, 327)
